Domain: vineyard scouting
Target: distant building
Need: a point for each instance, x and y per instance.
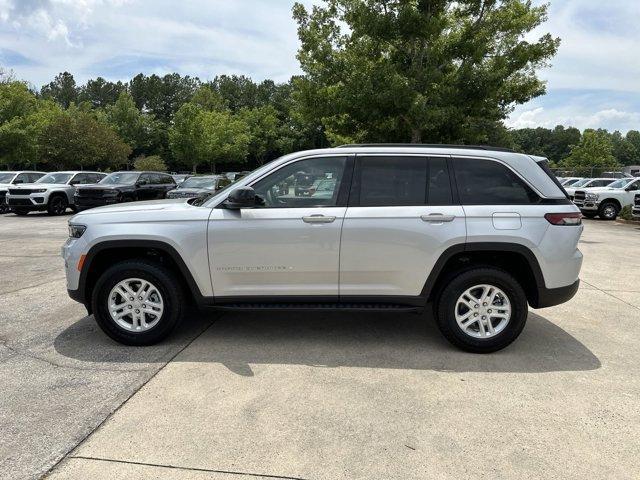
(633, 170)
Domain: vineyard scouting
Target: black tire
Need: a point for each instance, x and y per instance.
(20, 211)
(162, 278)
(4, 209)
(57, 204)
(589, 214)
(445, 306)
(608, 210)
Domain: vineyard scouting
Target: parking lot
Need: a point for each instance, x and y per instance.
(317, 396)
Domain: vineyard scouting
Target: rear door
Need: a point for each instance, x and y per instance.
(402, 215)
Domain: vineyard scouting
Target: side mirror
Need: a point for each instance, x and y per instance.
(16, 182)
(243, 197)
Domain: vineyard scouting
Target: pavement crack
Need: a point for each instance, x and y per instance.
(192, 469)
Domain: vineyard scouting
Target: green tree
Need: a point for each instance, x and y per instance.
(100, 92)
(62, 90)
(162, 96)
(154, 163)
(226, 138)
(141, 131)
(264, 130)
(625, 151)
(186, 136)
(76, 139)
(439, 71)
(595, 150)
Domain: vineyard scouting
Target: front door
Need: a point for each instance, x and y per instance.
(402, 215)
(289, 245)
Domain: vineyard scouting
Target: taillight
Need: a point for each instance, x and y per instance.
(573, 218)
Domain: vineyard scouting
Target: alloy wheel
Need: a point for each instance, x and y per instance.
(483, 311)
(135, 304)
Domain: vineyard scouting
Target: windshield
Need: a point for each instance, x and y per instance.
(199, 182)
(623, 182)
(582, 182)
(5, 177)
(120, 178)
(571, 182)
(55, 178)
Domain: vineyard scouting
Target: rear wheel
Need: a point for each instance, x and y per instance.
(57, 205)
(608, 211)
(137, 302)
(482, 310)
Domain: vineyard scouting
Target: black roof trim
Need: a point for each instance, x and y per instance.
(427, 145)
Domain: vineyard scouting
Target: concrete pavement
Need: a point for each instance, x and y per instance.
(341, 396)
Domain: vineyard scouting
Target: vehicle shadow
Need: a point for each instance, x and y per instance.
(337, 339)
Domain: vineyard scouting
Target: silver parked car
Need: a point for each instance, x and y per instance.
(476, 234)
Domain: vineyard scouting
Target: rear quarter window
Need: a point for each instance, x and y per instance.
(488, 182)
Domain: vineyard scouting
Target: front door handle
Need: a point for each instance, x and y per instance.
(437, 218)
(318, 219)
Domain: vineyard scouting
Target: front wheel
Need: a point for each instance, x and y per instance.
(608, 211)
(57, 205)
(137, 302)
(482, 310)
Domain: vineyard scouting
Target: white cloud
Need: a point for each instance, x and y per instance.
(610, 119)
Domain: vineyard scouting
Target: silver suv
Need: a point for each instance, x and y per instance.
(474, 233)
(52, 192)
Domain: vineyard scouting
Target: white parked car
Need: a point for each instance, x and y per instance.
(52, 193)
(587, 183)
(570, 181)
(636, 207)
(606, 202)
(8, 179)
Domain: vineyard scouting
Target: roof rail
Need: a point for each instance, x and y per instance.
(428, 145)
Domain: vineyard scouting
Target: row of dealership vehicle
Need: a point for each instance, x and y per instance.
(22, 192)
(603, 197)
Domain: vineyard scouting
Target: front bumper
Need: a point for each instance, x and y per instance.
(84, 202)
(27, 202)
(587, 205)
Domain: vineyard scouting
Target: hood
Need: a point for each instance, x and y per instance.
(190, 191)
(601, 189)
(32, 186)
(96, 186)
(172, 204)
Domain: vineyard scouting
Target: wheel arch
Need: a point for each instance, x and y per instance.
(514, 258)
(104, 254)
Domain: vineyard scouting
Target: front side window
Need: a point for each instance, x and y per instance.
(386, 181)
(600, 183)
(487, 182)
(315, 182)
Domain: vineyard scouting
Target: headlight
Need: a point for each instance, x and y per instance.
(40, 190)
(76, 231)
(591, 196)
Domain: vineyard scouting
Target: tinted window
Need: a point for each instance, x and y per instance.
(80, 178)
(487, 182)
(145, 179)
(22, 178)
(403, 181)
(315, 182)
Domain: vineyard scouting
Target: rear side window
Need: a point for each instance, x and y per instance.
(402, 181)
(486, 182)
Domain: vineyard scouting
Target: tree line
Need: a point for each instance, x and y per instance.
(373, 71)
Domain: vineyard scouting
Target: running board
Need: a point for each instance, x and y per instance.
(385, 307)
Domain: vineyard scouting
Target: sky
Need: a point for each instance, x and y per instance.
(593, 81)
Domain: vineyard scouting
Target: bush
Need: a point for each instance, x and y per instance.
(625, 213)
(152, 162)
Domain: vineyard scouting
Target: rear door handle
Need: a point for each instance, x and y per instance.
(437, 218)
(318, 219)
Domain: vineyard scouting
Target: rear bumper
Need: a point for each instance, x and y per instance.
(549, 297)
